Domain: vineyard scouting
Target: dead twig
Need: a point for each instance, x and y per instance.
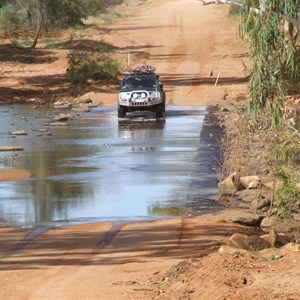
(207, 3)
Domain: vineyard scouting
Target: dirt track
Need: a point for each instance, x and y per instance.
(186, 41)
(86, 262)
(189, 44)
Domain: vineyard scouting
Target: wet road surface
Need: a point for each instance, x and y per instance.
(99, 169)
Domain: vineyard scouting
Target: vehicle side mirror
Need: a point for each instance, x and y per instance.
(161, 85)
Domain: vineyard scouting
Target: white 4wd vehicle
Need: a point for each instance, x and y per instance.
(141, 91)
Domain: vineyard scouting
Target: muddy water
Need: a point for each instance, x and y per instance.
(99, 169)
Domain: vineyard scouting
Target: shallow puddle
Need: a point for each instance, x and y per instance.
(100, 169)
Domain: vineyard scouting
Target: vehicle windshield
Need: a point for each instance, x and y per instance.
(132, 82)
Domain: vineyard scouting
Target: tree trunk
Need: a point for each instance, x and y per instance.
(39, 27)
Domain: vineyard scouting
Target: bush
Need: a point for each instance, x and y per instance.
(110, 68)
(83, 65)
(9, 18)
(15, 44)
(287, 197)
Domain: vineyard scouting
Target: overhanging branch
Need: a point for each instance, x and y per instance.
(295, 22)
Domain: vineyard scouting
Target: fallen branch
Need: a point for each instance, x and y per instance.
(208, 3)
(237, 2)
(11, 148)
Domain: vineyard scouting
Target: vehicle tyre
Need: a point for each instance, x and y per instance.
(160, 111)
(121, 112)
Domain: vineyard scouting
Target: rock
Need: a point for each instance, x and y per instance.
(231, 250)
(11, 148)
(267, 223)
(253, 184)
(287, 226)
(90, 97)
(246, 219)
(62, 104)
(249, 198)
(41, 130)
(63, 117)
(249, 182)
(225, 200)
(296, 217)
(245, 205)
(240, 241)
(245, 193)
(272, 185)
(245, 242)
(265, 209)
(260, 203)
(292, 247)
(86, 98)
(264, 179)
(81, 108)
(271, 238)
(267, 194)
(225, 109)
(18, 132)
(58, 124)
(227, 187)
(283, 239)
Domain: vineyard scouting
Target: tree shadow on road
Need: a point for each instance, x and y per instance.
(136, 242)
(26, 55)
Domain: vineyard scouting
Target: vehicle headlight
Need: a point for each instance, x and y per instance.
(155, 95)
(124, 96)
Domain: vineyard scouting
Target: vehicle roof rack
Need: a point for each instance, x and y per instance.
(141, 70)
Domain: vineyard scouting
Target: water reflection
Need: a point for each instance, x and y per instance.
(100, 169)
(142, 131)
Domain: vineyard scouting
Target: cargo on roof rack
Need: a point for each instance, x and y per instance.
(141, 70)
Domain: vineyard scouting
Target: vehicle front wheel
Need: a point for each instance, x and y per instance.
(121, 112)
(160, 111)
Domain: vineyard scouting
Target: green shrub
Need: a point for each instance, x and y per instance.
(15, 44)
(287, 196)
(84, 65)
(11, 17)
(110, 68)
(9, 20)
(285, 156)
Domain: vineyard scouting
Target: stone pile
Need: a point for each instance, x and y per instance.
(255, 195)
(83, 103)
(240, 243)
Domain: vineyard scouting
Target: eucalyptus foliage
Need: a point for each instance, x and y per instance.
(272, 52)
(23, 14)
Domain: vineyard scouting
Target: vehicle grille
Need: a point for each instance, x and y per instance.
(139, 103)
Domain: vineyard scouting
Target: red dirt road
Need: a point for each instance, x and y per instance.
(84, 262)
(190, 45)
